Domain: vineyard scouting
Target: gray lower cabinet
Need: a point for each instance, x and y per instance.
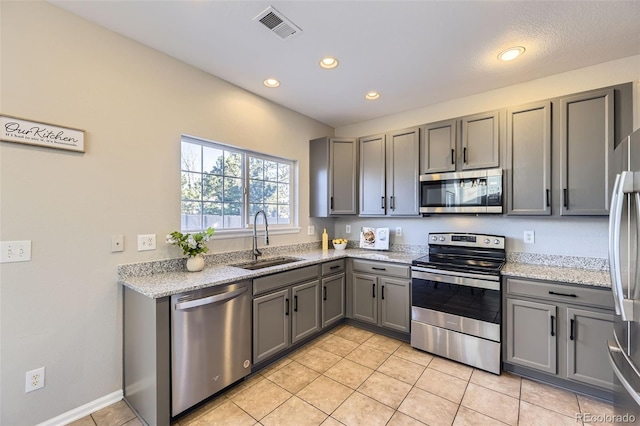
(284, 313)
(333, 292)
(381, 294)
(389, 170)
(333, 177)
(559, 329)
(529, 159)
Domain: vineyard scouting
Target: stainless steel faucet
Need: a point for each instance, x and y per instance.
(257, 252)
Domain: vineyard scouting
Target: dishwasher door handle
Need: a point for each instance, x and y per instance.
(211, 299)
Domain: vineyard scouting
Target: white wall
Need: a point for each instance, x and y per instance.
(554, 235)
(63, 309)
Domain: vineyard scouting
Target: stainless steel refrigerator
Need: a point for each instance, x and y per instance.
(624, 245)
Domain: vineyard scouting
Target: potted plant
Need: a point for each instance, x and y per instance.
(192, 245)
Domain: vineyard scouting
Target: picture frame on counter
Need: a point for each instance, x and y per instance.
(19, 130)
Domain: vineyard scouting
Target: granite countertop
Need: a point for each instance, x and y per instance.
(157, 285)
(573, 275)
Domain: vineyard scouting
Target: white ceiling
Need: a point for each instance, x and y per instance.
(415, 53)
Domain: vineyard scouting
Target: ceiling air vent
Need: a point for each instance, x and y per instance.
(277, 23)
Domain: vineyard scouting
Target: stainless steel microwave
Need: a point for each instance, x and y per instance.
(474, 191)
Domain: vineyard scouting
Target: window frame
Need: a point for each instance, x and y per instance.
(246, 218)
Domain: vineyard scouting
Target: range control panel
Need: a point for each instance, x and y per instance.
(467, 240)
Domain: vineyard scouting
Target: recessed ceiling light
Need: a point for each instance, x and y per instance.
(328, 63)
(511, 53)
(271, 82)
(372, 95)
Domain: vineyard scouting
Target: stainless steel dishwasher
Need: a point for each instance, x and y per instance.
(210, 342)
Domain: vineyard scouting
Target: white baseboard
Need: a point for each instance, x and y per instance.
(84, 410)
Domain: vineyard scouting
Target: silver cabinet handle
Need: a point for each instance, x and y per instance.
(614, 351)
(211, 299)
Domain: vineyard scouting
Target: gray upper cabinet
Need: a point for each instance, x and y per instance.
(480, 141)
(373, 175)
(403, 156)
(587, 139)
(389, 167)
(438, 147)
(332, 177)
(529, 159)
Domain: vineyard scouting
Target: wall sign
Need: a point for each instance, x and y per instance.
(14, 129)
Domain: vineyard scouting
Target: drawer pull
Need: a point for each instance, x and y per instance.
(563, 294)
(334, 267)
(571, 337)
(553, 333)
(378, 269)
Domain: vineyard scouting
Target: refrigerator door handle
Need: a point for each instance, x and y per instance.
(624, 308)
(614, 351)
(614, 242)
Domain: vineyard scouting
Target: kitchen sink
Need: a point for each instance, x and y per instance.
(266, 263)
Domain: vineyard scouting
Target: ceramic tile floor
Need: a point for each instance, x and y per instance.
(354, 377)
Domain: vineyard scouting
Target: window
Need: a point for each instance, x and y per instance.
(224, 187)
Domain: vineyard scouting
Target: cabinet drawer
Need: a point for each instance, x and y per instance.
(332, 267)
(565, 293)
(283, 279)
(382, 268)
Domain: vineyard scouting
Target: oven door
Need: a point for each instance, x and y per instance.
(457, 301)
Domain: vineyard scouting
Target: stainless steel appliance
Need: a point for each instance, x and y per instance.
(624, 233)
(210, 342)
(474, 191)
(456, 299)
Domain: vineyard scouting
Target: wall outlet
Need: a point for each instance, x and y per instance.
(117, 243)
(347, 229)
(15, 251)
(311, 230)
(34, 380)
(146, 242)
(398, 231)
(529, 237)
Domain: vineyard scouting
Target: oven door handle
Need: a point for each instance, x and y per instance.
(459, 278)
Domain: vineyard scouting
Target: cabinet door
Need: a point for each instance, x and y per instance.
(587, 335)
(270, 324)
(587, 148)
(529, 159)
(480, 141)
(402, 177)
(333, 299)
(394, 304)
(372, 175)
(342, 170)
(365, 302)
(305, 315)
(532, 335)
(438, 147)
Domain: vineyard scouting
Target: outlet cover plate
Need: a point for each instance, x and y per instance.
(146, 242)
(15, 251)
(529, 237)
(34, 380)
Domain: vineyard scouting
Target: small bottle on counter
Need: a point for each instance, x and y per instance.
(325, 240)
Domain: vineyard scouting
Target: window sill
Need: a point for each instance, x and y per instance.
(223, 234)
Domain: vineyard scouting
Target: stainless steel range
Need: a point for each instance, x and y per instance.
(456, 299)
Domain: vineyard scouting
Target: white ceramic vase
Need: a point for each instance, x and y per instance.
(195, 263)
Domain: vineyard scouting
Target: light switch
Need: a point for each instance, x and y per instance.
(15, 251)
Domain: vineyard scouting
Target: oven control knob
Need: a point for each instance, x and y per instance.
(496, 242)
(434, 238)
(441, 238)
(487, 241)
